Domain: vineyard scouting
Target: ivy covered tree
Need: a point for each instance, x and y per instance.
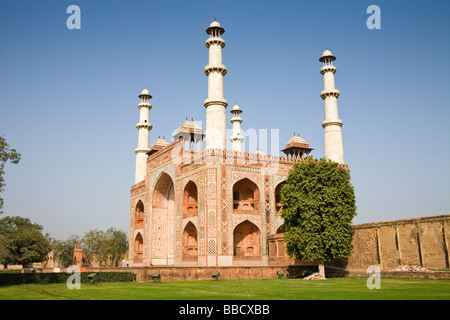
(318, 207)
(7, 154)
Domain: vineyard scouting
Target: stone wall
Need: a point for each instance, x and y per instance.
(419, 241)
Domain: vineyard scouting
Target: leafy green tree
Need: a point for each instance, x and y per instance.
(105, 246)
(22, 242)
(318, 207)
(92, 244)
(63, 250)
(117, 244)
(6, 154)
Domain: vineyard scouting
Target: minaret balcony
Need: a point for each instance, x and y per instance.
(145, 105)
(236, 119)
(144, 125)
(215, 40)
(328, 68)
(216, 101)
(328, 123)
(329, 93)
(237, 138)
(219, 68)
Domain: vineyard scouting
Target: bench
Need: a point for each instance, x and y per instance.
(93, 277)
(216, 276)
(306, 273)
(156, 277)
(280, 274)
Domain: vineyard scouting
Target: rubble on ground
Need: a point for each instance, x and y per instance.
(314, 276)
(410, 269)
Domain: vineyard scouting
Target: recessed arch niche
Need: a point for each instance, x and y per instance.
(190, 242)
(138, 248)
(139, 215)
(190, 200)
(247, 241)
(246, 196)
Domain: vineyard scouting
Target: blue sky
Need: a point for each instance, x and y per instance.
(68, 98)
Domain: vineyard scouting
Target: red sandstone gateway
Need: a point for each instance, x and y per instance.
(215, 207)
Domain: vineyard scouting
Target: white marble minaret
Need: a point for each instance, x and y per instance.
(236, 120)
(215, 104)
(334, 149)
(144, 126)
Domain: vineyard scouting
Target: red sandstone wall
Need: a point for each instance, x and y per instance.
(420, 241)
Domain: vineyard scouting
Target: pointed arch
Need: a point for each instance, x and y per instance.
(190, 242)
(246, 197)
(162, 190)
(138, 248)
(280, 229)
(139, 215)
(190, 199)
(247, 241)
(278, 204)
(163, 221)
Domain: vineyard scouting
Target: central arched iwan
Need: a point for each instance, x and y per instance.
(163, 221)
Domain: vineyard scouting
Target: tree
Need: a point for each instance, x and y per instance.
(6, 154)
(63, 250)
(91, 243)
(105, 245)
(22, 242)
(318, 207)
(117, 243)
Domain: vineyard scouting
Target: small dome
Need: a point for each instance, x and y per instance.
(236, 107)
(326, 53)
(161, 142)
(214, 24)
(145, 92)
(297, 139)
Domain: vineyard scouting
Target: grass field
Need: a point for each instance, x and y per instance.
(273, 289)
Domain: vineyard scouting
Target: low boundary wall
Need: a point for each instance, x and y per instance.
(416, 242)
(249, 273)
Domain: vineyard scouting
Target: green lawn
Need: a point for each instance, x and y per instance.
(274, 289)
